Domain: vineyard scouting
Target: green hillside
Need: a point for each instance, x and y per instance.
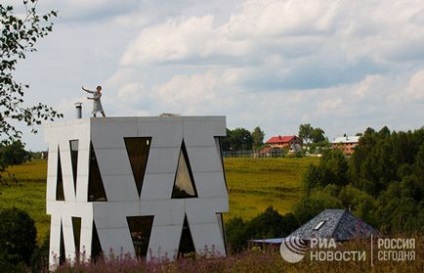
(27, 192)
(253, 185)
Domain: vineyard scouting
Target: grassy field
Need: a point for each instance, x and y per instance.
(29, 193)
(253, 184)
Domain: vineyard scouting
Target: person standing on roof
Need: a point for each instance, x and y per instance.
(97, 104)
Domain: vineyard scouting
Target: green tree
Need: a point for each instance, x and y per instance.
(268, 224)
(13, 154)
(305, 132)
(312, 178)
(335, 168)
(235, 231)
(310, 134)
(238, 139)
(318, 135)
(318, 200)
(361, 203)
(17, 236)
(226, 141)
(258, 138)
(18, 36)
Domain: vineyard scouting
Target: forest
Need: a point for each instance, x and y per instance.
(382, 182)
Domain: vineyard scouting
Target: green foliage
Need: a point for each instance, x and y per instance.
(315, 202)
(13, 154)
(268, 224)
(335, 167)
(18, 36)
(383, 181)
(29, 194)
(258, 138)
(40, 256)
(235, 231)
(17, 236)
(359, 202)
(332, 169)
(310, 134)
(238, 139)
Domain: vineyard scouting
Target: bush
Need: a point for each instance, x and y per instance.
(13, 154)
(235, 230)
(18, 237)
(268, 224)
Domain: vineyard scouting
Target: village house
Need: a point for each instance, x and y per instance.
(276, 144)
(294, 143)
(346, 144)
(338, 224)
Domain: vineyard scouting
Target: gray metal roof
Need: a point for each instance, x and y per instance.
(335, 223)
(346, 139)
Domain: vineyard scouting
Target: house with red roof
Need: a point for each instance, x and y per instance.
(284, 141)
(278, 143)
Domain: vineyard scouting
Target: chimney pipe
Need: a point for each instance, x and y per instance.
(78, 106)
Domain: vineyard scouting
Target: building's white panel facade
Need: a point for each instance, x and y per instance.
(117, 183)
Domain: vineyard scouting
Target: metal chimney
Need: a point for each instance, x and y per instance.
(78, 106)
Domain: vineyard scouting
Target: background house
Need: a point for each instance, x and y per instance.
(339, 224)
(346, 144)
(276, 144)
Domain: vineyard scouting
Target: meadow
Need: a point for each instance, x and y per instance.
(27, 191)
(257, 183)
(253, 185)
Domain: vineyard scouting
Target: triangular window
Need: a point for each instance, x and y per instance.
(140, 229)
(74, 160)
(76, 227)
(186, 242)
(60, 195)
(221, 228)
(96, 248)
(62, 256)
(184, 186)
(218, 145)
(96, 190)
(138, 153)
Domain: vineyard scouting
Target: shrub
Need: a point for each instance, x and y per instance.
(18, 236)
(268, 224)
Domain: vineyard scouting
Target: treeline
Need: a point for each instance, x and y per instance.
(382, 182)
(241, 139)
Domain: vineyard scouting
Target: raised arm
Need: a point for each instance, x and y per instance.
(88, 91)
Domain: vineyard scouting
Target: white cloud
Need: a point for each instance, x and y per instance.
(131, 93)
(180, 39)
(182, 91)
(339, 65)
(414, 91)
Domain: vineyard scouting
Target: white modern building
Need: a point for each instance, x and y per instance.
(150, 187)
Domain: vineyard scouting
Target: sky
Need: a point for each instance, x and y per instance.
(342, 66)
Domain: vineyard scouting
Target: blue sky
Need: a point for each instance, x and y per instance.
(342, 66)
